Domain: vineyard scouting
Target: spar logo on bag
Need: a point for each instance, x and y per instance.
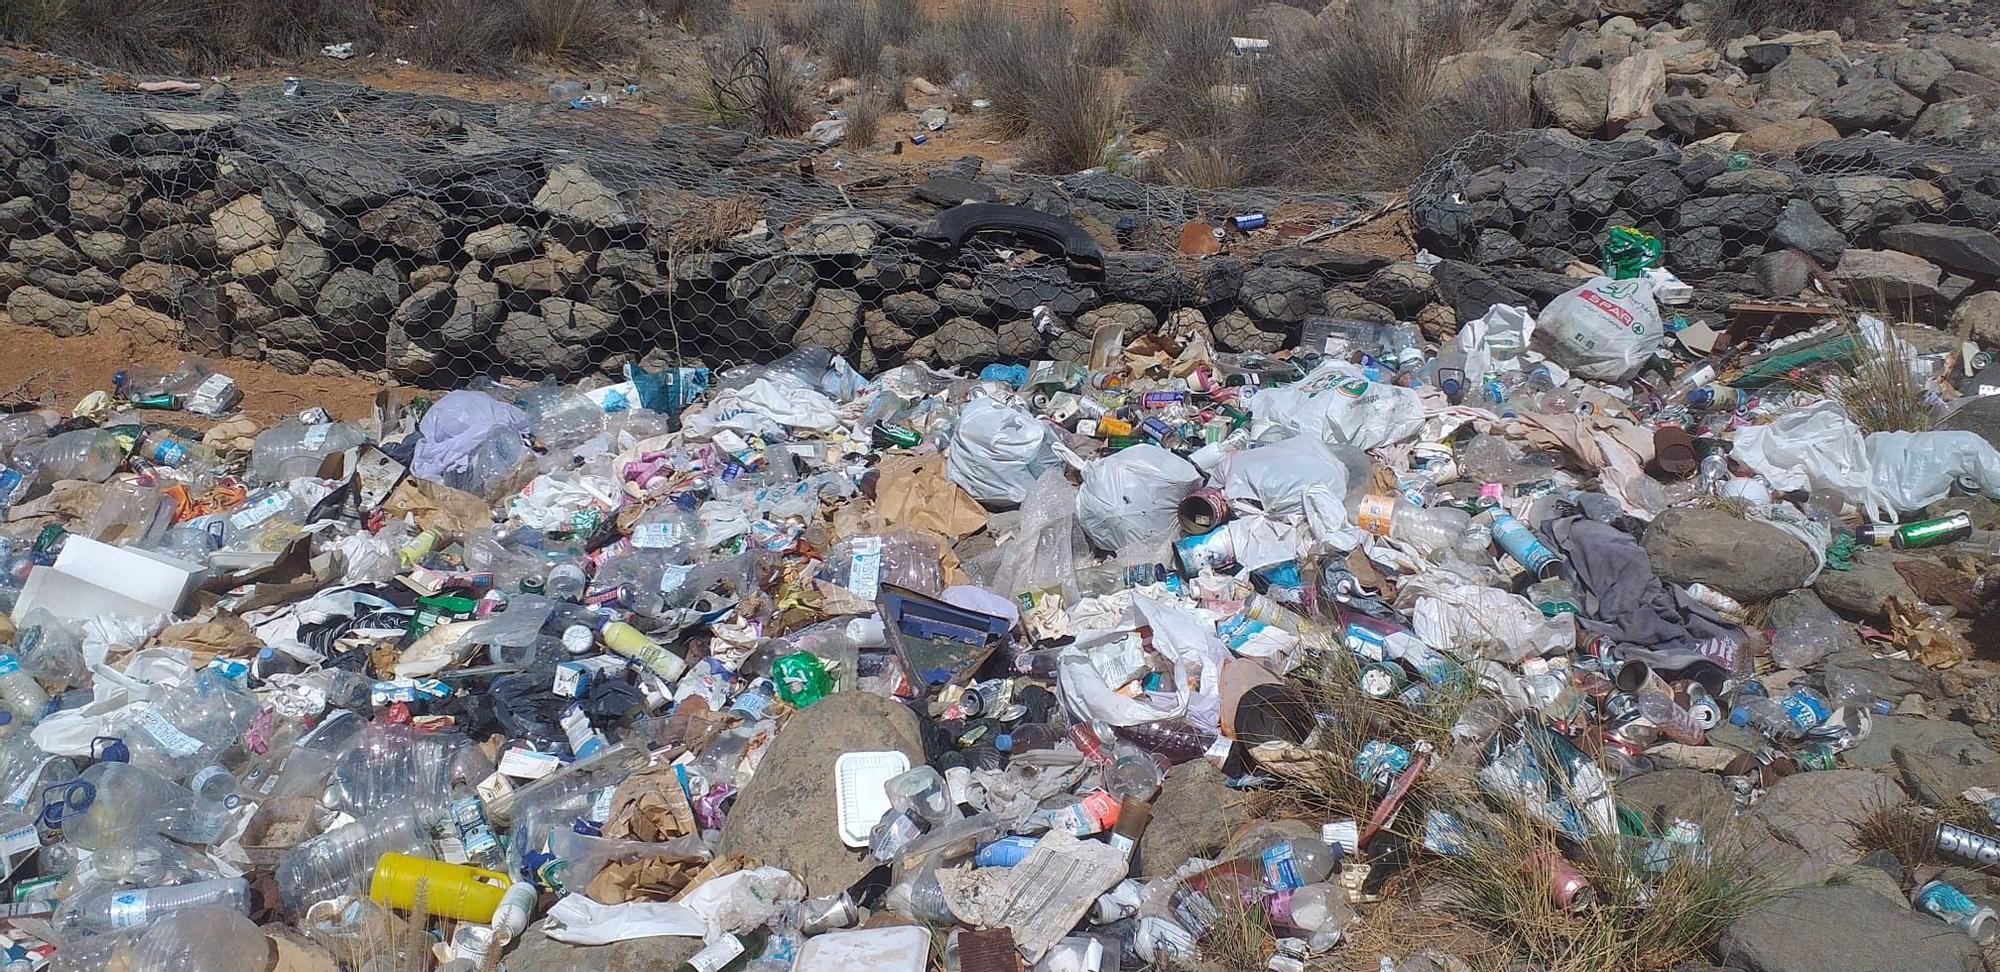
(1602, 298)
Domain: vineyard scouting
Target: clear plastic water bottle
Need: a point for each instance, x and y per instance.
(1783, 718)
(1290, 864)
(189, 725)
(113, 802)
(291, 449)
(1860, 689)
(19, 692)
(343, 859)
(87, 454)
(110, 909)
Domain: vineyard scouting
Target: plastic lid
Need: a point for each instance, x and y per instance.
(1739, 717)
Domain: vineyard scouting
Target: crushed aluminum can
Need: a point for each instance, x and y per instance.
(1967, 845)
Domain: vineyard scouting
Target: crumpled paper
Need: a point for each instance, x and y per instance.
(437, 507)
(914, 493)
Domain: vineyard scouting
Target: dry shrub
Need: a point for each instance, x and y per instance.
(864, 120)
(460, 35)
(752, 85)
(574, 31)
(1183, 46)
(1852, 18)
(846, 34)
(900, 20)
(930, 53)
(140, 34)
(1366, 104)
(293, 28)
(697, 17)
(1654, 905)
(1883, 391)
(30, 21)
(1040, 88)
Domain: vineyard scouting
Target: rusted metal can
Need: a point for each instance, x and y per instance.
(1569, 890)
(1203, 510)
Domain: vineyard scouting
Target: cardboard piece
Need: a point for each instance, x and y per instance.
(914, 493)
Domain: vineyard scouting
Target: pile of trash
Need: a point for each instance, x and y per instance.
(802, 669)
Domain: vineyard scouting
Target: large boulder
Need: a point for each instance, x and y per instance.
(1402, 287)
(1800, 79)
(1747, 559)
(1635, 85)
(35, 307)
(1802, 228)
(1886, 276)
(45, 253)
(1820, 813)
(412, 223)
(1866, 588)
(1578, 98)
(1842, 926)
(1973, 114)
(1785, 137)
(128, 316)
(100, 204)
(501, 242)
(832, 321)
(1916, 71)
(1935, 759)
(1698, 118)
(785, 816)
(775, 294)
(574, 195)
(355, 304)
(527, 341)
(1281, 295)
(961, 341)
(303, 267)
(1874, 105)
(156, 283)
(1967, 250)
(243, 224)
(1196, 812)
(1979, 315)
(1964, 53)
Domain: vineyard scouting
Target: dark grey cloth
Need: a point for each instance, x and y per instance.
(1621, 598)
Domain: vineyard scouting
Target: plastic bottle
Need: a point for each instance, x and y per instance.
(19, 692)
(920, 792)
(566, 419)
(341, 860)
(111, 802)
(291, 449)
(164, 448)
(186, 727)
(1289, 864)
(475, 834)
(1861, 689)
(110, 909)
(1429, 529)
(1805, 642)
(632, 643)
(87, 454)
(1134, 774)
(1316, 909)
(24, 427)
(1549, 690)
(1782, 718)
(1673, 721)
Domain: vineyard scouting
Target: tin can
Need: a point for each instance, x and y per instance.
(1381, 680)
(1954, 908)
(1249, 221)
(315, 416)
(1211, 549)
(1967, 845)
(1568, 888)
(1932, 533)
(1520, 543)
(1203, 510)
(828, 912)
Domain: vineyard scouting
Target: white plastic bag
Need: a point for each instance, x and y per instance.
(1812, 448)
(997, 451)
(1129, 498)
(1275, 478)
(456, 426)
(1467, 619)
(1604, 330)
(1335, 403)
(1912, 470)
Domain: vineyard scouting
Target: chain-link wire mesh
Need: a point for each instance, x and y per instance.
(1890, 222)
(431, 239)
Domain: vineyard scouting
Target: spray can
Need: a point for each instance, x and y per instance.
(1521, 544)
(1954, 908)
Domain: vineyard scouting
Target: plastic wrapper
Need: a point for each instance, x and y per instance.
(1812, 448)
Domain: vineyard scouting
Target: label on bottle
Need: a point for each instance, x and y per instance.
(168, 736)
(19, 841)
(257, 512)
(1280, 869)
(864, 568)
(1803, 711)
(1375, 514)
(127, 910)
(17, 798)
(9, 665)
(202, 778)
(315, 436)
(168, 452)
(716, 954)
(529, 765)
(451, 850)
(654, 536)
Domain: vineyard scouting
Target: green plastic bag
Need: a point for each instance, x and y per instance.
(801, 679)
(1629, 252)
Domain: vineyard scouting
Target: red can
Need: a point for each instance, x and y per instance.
(1569, 890)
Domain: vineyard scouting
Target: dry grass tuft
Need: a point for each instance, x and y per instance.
(1042, 89)
(1883, 392)
(573, 31)
(1852, 18)
(752, 85)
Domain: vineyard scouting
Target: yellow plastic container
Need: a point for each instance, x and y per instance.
(450, 890)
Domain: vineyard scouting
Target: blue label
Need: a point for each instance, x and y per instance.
(1804, 711)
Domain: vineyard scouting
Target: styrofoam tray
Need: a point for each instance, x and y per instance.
(859, 794)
